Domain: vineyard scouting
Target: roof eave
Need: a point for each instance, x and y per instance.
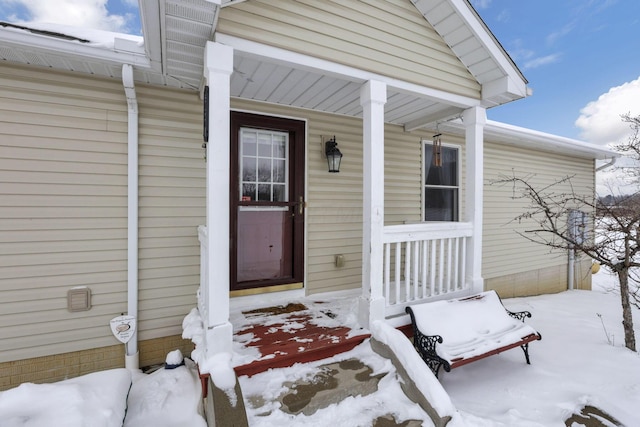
(503, 133)
(153, 20)
(124, 53)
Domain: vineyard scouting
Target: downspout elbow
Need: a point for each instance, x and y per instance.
(606, 165)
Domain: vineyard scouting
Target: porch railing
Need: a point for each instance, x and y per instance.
(203, 292)
(423, 262)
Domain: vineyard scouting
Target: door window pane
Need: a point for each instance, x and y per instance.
(249, 147)
(280, 146)
(264, 193)
(279, 171)
(264, 170)
(279, 193)
(249, 169)
(263, 165)
(248, 192)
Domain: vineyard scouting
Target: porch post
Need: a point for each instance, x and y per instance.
(218, 60)
(373, 96)
(474, 120)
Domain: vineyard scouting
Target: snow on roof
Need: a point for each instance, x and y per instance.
(89, 36)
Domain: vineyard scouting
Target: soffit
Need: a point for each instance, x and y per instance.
(283, 83)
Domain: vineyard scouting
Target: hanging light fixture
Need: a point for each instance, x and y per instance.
(334, 156)
(437, 150)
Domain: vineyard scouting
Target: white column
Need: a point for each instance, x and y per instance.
(218, 60)
(474, 120)
(373, 96)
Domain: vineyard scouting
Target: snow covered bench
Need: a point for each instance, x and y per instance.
(456, 332)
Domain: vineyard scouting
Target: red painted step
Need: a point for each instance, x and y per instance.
(295, 340)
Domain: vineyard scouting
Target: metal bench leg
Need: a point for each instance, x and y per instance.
(525, 348)
(434, 365)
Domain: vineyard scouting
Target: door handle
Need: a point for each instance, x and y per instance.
(301, 205)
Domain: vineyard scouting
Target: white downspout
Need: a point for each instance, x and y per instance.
(571, 272)
(606, 165)
(131, 358)
(572, 252)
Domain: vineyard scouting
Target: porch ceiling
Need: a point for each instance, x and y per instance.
(269, 81)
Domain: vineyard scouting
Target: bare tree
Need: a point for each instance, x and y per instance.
(609, 233)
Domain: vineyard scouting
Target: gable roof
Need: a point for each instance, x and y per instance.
(176, 32)
(468, 36)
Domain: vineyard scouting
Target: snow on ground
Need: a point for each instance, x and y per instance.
(164, 398)
(572, 366)
(580, 360)
(95, 399)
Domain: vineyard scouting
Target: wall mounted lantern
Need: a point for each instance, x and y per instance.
(334, 156)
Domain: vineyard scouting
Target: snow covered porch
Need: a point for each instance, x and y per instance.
(421, 262)
(401, 264)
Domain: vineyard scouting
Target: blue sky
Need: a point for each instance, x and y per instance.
(581, 57)
(573, 53)
(113, 15)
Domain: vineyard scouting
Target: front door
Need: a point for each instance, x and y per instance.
(267, 203)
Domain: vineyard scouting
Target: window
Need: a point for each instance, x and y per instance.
(263, 165)
(441, 184)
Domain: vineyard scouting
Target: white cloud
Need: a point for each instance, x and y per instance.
(77, 13)
(567, 29)
(541, 60)
(481, 4)
(504, 16)
(600, 121)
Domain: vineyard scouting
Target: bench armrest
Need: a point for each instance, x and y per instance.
(520, 315)
(426, 347)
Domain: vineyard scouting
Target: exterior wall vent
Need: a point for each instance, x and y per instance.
(79, 299)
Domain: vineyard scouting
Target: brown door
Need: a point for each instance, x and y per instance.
(267, 203)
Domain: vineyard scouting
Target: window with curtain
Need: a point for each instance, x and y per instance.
(441, 186)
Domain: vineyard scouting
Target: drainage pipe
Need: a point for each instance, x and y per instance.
(606, 165)
(131, 348)
(572, 269)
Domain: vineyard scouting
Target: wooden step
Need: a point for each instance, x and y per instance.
(282, 356)
(295, 340)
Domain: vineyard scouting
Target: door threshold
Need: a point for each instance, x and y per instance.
(266, 290)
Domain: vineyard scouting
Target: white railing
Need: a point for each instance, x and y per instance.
(203, 292)
(423, 262)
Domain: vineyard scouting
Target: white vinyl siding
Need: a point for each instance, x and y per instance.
(390, 37)
(172, 194)
(63, 209)
(505, 252)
